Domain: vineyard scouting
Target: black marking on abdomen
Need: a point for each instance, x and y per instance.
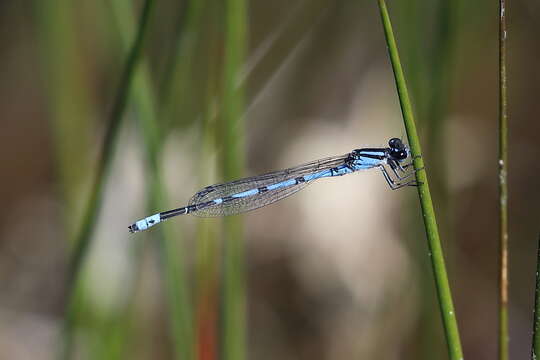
(190, 208)
(300, 179)
(227, 199)
(262, 189)
(174, 211)
(170, 213)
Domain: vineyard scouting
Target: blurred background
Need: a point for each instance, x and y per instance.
(338, 271)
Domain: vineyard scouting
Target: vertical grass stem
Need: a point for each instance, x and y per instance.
(232, 137)
(432, 232)
(83, 236)
(503, 189)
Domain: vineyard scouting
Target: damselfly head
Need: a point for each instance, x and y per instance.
(398, 150)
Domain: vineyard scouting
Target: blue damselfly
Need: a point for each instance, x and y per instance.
(254, 192)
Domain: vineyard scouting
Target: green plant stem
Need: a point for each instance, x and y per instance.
(144, 99)
(83, 236)
(67, 89)
(179, 306)
(232, 137)
(503, 189)
(178, 303)
(535, 348)
(436, 253)
(176, 95)
(208, 260)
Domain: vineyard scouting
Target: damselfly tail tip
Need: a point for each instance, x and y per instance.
(133, 228)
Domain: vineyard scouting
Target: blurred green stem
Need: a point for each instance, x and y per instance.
(82, 239)
(68, 97)
(175, 101)
(503, 189)
(437, 258)
(232, 137)
(208, 244)
(144, 99)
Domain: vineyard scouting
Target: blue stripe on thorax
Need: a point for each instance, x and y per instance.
(372, 152)
(365, 162)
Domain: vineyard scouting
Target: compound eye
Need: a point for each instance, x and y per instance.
(395, 143)
(399, 154)
(402, 155)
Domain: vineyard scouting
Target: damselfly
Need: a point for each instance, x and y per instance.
(251, 193)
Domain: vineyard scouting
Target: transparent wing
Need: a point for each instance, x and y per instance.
(248, 203)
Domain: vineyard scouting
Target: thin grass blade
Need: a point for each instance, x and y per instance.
(432, 232)
(503, 189)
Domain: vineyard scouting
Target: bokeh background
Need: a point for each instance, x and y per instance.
(338, 271)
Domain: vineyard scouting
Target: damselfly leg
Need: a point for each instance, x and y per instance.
(397, 184)
(402, 168)
(395, 166)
